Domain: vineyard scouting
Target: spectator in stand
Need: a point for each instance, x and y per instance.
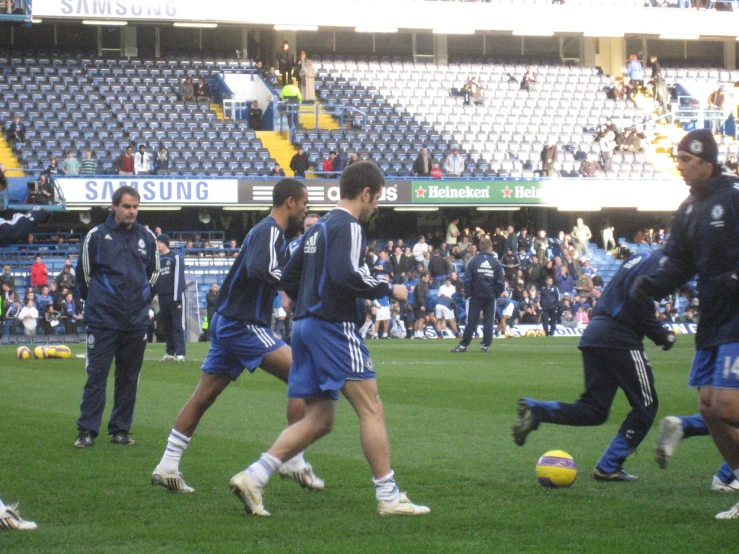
(454, 163)
(261, 70)
(583, 285)
(10, 319)
(511, 240)
(420, 298)
(340, 161)
(541, 245)
(528, 79)
(308, 82)
(524, 241)
(41, 191)
(142, 161)
(438, 268)
(29, 317)
(272, 78)
(70, 165)
(53, 168)
(510, 262)
(452, 232)
(44, 299)
(202, 93)
(285, 63)
(300, 163)
(472, 92)
(124, 164)
(16, 130)
(436, 171)
(255, 116)
(733, 165)
(210, 307)
(422, 164)
(66, 278)
(161, 162)
(420, 249)
(51, 320)
(549, 155)
(353, 158)
(187, 91)
(72, 310)
(568, 320)
(590, 167)
(565, 282)
(581, 235)
(328, 164)
(6, 278)
(39, 273)
(277, 171)
(588, 269)
(88, 165)
(635, 71)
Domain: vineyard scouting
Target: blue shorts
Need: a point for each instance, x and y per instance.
(716, 367)
(237, 345)
(325, 355)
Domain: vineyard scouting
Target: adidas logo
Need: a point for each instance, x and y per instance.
(485, 265)
(108, 237)
(310, 245)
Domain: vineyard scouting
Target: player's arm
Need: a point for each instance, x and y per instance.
(729, 281)
(262, 257)
(468, 279)
(152, 270)
(86, 262)
(500, 281)
(644, 318)
(21, 225)
(290, 281)
(181, 285)
(676, 269)
(344, 256)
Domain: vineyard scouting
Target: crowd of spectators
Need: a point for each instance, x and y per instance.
(534, 264)
(46, 307)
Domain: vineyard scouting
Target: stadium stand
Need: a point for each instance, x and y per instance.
(72, 102)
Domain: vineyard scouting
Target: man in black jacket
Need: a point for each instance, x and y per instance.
(613, 357)
(704, 239)
(550, 298)
(300, 163)
(422, 165)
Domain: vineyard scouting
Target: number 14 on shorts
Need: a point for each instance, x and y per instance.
(731, 367)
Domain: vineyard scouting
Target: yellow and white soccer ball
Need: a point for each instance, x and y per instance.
(530, 333)
(22, 353)
(58, 351)
(540, 333)
(556, 469)
(39, 352)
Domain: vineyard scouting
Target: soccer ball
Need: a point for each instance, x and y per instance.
(58, 351)
(22, 353)
(676, 330)
(556, 469)
(39, 353)
(530, 333)
(540, 333)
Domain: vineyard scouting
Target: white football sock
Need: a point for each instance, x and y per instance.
(176, 445)
(385, 488)
(261, 470)
(296, 463)
(736, 474)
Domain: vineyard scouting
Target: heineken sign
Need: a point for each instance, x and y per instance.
(482, 192)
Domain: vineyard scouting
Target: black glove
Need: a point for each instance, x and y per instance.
(643, 286)
(728, 281)
(669, 341)
(40, 215)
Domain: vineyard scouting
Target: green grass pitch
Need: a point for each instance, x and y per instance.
(449, 419)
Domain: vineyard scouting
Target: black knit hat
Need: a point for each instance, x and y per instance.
(164, 239)
(700, 143)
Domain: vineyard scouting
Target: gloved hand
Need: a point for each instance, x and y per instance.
(728, 282)
(669, 341)
(39, 214)
(643, 286)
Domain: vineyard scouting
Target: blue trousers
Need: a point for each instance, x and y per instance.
(474, 307)
(173, 323)
(104, 346)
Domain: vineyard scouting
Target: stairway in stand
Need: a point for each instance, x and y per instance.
(279, 147)
(8, 159)
(326, 121)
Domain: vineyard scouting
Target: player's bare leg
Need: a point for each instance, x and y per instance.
(725, 406)
(365, 400)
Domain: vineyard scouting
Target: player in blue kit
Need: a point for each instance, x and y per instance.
(325, 278)
(704, 239)
(241, 336)
(613, 357)
(170, 288)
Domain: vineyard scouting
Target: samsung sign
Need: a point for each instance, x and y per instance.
(119, 8)
(183, 191)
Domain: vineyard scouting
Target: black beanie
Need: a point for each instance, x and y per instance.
(164, 239)
(700, 143)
